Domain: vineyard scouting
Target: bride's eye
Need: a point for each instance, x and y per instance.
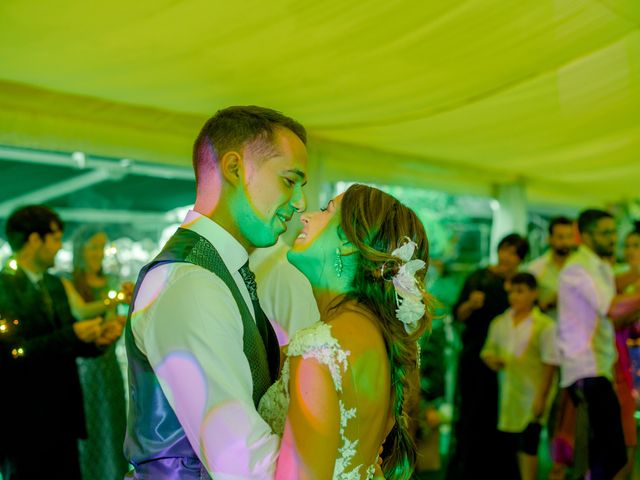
(330, 204)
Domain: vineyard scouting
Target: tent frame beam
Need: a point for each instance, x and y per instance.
(118, 168)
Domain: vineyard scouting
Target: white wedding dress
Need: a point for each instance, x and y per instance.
(317, 342)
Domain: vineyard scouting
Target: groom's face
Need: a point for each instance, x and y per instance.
(274, 176)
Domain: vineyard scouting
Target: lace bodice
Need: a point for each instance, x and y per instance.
(317, 342)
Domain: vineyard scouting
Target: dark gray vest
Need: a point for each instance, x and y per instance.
(156, 443)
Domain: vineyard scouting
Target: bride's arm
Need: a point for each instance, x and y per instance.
(312, 432)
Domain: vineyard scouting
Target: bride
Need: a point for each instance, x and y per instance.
(346, 380)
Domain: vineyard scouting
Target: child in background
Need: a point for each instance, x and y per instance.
(521, 347)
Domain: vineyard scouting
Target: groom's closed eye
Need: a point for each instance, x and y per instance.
(301, 176)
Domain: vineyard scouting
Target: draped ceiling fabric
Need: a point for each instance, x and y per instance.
(457, 95)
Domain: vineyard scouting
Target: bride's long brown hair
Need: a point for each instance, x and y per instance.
(376, 223)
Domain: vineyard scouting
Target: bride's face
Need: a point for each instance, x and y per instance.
(314, 251)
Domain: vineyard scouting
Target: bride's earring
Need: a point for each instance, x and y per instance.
(337, 264)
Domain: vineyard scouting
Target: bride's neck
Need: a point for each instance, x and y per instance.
(325, 299)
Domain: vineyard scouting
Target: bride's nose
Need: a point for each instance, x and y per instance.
(304, 218)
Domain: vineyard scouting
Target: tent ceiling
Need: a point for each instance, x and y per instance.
(456, 95)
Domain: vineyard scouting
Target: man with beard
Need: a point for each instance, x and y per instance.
(588, 309)
(546, 268)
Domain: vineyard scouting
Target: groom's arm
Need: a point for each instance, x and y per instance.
(193, 340)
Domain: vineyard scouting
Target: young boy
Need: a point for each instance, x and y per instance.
(521, 346)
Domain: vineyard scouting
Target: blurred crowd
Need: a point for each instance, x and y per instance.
(544, 364)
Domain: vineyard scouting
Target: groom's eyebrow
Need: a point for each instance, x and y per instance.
(299, 173)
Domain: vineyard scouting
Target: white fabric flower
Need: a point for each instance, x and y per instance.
(405, 280)
(408, 296)
(409, 312)
(405, 252)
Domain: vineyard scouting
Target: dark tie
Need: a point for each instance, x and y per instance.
(250, 281)
(262, 322)
(47, 302)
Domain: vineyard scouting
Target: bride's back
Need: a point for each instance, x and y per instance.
(366, 382)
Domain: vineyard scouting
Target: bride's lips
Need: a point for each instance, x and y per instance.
(301, 236)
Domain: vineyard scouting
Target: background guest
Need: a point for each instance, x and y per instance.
(43, 415)
(88, 288)
(628, 282)
(483, 298)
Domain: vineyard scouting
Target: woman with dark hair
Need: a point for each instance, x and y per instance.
(483, 297)
(346, 380)
(89, 291)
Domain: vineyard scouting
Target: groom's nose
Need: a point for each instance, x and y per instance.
(299, 201)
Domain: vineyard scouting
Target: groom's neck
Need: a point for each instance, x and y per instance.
(226, 220)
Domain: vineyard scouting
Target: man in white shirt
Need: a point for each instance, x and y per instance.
(201, 351)
(588, 308)
(546, 268)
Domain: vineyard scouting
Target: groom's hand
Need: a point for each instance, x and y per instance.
(378, 474)
(283, 356)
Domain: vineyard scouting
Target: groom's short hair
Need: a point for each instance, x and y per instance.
(234, 127)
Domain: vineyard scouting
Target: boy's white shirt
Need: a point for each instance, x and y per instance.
(524, 348)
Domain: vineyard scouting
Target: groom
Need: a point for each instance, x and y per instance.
(201, 351)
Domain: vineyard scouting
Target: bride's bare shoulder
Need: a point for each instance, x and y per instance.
(356, 329)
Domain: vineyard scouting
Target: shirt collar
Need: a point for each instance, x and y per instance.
(233, 254)
(528, 318)
(33, 277)
(590, 256)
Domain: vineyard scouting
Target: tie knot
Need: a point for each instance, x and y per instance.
(250, 281)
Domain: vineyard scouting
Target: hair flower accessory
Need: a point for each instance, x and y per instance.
(408, 296)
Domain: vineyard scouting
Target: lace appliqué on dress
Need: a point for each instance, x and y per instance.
(315, 342)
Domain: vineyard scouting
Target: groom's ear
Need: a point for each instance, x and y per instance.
(231, 167)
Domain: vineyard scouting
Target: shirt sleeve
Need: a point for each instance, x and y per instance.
(535, 268)
(575, 278)
(193, 339)
(490, 347)
(548, 345)
(287, 299)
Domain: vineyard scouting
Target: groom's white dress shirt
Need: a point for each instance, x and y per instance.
(187, 323)
(285, 293)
